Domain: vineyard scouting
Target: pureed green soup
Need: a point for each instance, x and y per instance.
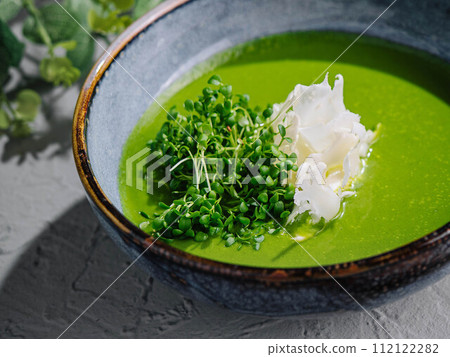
(404, 190)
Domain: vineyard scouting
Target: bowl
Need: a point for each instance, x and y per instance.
(162, 46)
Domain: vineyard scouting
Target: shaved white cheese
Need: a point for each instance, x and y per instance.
(319, 200)
(322, 129)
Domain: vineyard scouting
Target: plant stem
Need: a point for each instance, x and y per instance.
(36, 14)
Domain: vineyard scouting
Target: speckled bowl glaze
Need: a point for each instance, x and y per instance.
(163, 45)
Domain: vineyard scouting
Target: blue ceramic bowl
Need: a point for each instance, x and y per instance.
(162, 46)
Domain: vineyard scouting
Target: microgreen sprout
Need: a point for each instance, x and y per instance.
(220, 129)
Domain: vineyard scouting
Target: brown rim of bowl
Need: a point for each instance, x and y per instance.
(131, 233)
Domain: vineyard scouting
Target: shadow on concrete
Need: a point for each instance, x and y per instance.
(58, 134)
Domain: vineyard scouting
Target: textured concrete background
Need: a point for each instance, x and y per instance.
(55, 260)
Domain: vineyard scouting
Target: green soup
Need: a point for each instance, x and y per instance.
(404, 192)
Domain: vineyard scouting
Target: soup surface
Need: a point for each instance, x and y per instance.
(404, 191)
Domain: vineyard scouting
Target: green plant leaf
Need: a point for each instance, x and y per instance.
(9, 9)
(82, 56)
(28, 102)
(20, 129)
(143, 6)
(11, 51)
(67, 45)
(282, 130)
(4, 120)
(110, 24)
(57, 22)
(59, 70)
(123, 5)
(79, 8)
(95, 21)
(12, 46)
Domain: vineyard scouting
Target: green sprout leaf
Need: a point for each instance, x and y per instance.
(189, 105)
(59, 70)
(28, 102)
(215, 80)
(200, 237)
(209, 204)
